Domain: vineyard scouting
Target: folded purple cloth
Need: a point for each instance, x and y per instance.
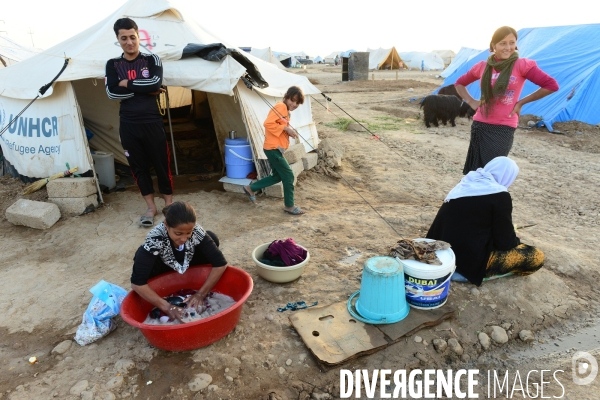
(290, 252)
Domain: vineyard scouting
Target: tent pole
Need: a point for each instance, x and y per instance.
(171, 129)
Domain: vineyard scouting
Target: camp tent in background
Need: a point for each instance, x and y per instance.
(571, 55)
(11, 52)
(432, 61)
(330, 59)
(266, 55)
(463, 55)
(318, 60)
(385, 59)
(286, 59)
(447, 56)
(51, 132)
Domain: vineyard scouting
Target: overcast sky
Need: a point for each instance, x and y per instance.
(317, 27)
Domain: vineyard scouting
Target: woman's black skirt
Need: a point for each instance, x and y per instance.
(487, 142)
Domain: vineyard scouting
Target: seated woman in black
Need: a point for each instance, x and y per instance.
(176, 244)
(476, 219)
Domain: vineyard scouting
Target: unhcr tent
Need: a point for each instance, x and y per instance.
(286, 59)
(11, 52)
(571, 55)
(463, 55)
(267, 55)
(433, 61)
(447, 56)
(51, 132)
(384, 59)
(318, 60)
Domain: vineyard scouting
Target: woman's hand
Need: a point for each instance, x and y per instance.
(516, 109)
(174, 312)
(195, 300)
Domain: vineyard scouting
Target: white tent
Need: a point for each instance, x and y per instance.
(51, 133)
(384, 59)
(330, 59)
(463, 55)
(431, 61)
(267, 55)
(447, 56)
(11, 52)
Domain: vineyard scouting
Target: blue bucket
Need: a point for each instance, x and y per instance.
(382, 295)
(238, 158)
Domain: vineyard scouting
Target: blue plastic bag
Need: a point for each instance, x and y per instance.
(105, 304)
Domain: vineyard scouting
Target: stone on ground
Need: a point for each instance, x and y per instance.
(34, 214)
(274, 190)
(201, 381)
(440, 345)
(310, 160)
(73, 206)
(526, 336)
(499, 335)
(455, 346)
(62, 347)
(71, 187)
(484, 340)
(294, 153)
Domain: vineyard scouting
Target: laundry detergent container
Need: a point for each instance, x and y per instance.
(238, 158)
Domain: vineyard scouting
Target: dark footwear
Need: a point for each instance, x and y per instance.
(295, 211)
(251, 197)
(146, 221)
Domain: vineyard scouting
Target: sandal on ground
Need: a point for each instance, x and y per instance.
(247, 193)
(457, 277)
(146, 221)
(295, 211)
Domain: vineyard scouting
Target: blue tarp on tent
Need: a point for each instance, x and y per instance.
(463, 55)
(571, 55)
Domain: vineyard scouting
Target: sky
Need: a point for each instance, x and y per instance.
(317, 27)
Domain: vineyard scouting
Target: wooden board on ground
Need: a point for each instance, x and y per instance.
(335, 337)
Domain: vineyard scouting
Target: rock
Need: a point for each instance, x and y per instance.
(531, 124)
(499, 335)
(320, 396)
(78, 388)
(484, 340)
(422, 357)
(356, 127)
(506, 326)
(105, 395)
(357, 179)
(87, 395)
(269, 317)
(229, 378)
(440, 345)
(288, 362)
(410, 90)
(281, 370)
(115, 382)
(123, 366)
(465, 358)
(34, 214)
(526, 336)
(200, 382)
(213, 388)
(475, 292)
(236, 361)
(455, 347)
(418, 339)
(62, 347)
(302, 357)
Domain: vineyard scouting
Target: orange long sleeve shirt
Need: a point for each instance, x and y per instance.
(274, 135)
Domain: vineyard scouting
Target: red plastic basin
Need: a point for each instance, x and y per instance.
(234, 282)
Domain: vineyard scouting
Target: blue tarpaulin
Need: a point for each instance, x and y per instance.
(571, 55)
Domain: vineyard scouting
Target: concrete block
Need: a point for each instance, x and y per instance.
(71, 187)
(297, 168)
(233, 188)
(34, 214)
(274, 190)
(74, 206)
(310, 160)
(294, 153)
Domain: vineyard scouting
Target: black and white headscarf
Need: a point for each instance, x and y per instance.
(158, 243)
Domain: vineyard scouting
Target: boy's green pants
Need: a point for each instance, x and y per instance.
(280, 172)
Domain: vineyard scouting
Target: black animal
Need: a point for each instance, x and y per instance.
(445, 108)
(449, 90)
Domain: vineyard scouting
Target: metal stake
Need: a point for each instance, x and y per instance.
(171, 129)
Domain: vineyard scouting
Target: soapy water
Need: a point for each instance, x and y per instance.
(213, 304)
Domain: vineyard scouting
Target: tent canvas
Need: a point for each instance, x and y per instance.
(447, 56)
(384, 59)
(12, 52)
(267, 55)
(432, 61)
(51, 132)
(571, 55)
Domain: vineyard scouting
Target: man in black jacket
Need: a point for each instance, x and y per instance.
(135, 79)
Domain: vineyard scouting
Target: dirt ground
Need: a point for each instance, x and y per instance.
(46, 275)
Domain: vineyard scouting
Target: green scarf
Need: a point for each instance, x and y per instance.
(489, 93)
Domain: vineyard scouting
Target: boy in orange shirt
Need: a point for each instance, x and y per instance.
(277, 134)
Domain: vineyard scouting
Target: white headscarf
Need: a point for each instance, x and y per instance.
(495, 177)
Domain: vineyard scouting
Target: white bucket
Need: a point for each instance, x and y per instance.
(427, 285)
(105, 168)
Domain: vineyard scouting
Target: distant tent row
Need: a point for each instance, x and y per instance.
(430, 61)
(447, 56)
(571, 55)
(266, 55)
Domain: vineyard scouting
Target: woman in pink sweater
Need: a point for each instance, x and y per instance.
(502, 77)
